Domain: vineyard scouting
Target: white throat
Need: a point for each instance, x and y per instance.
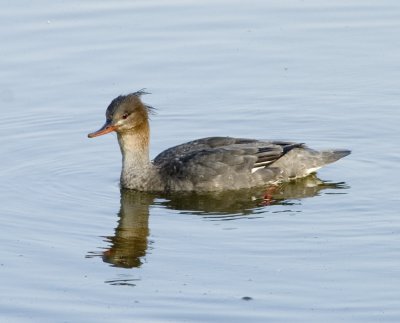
(136, 165)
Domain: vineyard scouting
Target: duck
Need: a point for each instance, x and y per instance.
(206, 164)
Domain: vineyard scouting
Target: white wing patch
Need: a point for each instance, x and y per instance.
(253, 170)
(312, 170)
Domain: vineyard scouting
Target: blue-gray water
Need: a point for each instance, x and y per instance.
(76, 249)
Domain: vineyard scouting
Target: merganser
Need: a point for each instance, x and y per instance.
(207, 164)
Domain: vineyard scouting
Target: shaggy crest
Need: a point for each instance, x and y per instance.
(118, 100)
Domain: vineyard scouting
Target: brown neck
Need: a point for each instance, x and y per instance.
(137, 170)
(134, 146)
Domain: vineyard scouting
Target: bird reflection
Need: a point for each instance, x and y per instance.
(236, 204)
(129, 244)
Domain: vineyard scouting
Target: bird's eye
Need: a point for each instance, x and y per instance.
(125, 115)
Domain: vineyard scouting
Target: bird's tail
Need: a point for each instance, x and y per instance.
(330, 156)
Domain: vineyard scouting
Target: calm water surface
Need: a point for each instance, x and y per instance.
(75, 248)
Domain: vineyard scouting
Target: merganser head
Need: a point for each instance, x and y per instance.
(124, 114)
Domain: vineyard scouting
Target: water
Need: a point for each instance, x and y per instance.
(77, 249)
